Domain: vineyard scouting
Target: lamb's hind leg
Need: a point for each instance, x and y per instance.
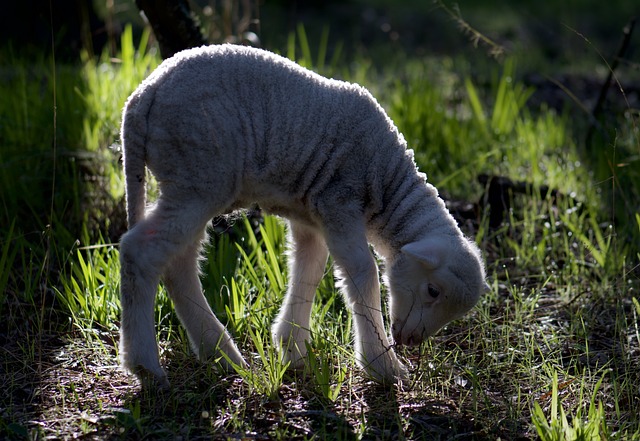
(208, 337)
(145, 251)
(307, 261)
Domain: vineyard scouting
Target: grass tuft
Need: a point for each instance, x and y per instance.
(557, 427)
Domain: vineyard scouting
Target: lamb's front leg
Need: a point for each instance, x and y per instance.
(360, 277)
(307, 261)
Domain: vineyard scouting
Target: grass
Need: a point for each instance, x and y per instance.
(551, 352)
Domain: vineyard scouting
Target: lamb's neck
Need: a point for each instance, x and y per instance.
(411, 212)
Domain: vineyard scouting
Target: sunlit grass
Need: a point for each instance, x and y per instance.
(556, 337)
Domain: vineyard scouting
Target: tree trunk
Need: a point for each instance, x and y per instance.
(173, 24)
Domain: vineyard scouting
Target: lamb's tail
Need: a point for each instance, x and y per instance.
(133, 136)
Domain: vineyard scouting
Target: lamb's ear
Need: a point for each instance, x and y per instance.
(429, 253)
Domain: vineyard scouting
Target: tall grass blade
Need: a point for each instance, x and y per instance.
(272, 263)
(6, 262)
(322, 48)
(476, 105)
(306, 59)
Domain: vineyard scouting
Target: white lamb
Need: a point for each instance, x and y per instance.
(221, 127)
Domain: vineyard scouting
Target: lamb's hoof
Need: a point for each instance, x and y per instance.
(399, 376)
(402, 376)
(155, 381)
(293, 354)
(295, 359)
(230, 363)
(386, 370)
(291, 343)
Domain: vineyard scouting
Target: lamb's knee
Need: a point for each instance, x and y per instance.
(140, 258)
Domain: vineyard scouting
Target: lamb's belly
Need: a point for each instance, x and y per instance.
(274, 199)
(292, 210)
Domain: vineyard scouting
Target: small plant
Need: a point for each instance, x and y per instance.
(89, 290)
(129, 419)
(265, 375)
(558, 427)
(250, 299)
(327, 373)
(108, 82)
(306, 58)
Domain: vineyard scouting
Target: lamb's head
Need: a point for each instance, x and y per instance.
(433, 281)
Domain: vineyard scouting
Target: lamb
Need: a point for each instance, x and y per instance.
(221, 127)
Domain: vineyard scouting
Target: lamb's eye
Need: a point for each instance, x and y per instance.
(433, 291)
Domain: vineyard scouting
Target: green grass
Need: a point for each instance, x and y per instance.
(551, 352)
(558, 427)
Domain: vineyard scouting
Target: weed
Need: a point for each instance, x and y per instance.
(557, 426)
(267, 373)
(90, 292)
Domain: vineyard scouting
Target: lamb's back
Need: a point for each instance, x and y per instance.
(230, 114)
